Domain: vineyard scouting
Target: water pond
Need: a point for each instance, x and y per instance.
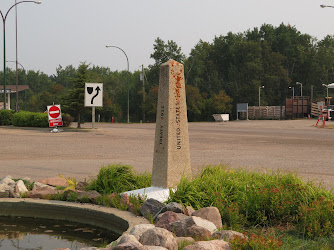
(42, 234)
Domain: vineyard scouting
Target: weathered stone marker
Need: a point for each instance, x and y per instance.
(171, 148)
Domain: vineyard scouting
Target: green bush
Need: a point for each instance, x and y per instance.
(247, 199)
(67, 120)
(6, 117)
(117, 179)
(30, 119)
(317, 218)
(255, 242)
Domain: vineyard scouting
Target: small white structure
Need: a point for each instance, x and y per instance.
(157, 193)
(221, 117)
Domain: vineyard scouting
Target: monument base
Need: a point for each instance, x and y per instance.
(157, 193)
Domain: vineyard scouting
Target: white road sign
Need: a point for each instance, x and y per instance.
(93, 94)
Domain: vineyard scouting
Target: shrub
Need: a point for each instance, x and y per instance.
(67, 120)
(6, 117)
(255, 242)
(30, 119)
(117, 179)
(247, 199)
(39, 120)
(317, 218)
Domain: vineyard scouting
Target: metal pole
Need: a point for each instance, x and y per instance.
(4, 43)
(259, 96)
(143, 73)
(93, 117)
(311, 93)
(127, 59)
(17, 73)
(4, 62)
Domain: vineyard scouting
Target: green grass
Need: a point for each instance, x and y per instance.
(291, 239)
(252, 201)
(119, 178)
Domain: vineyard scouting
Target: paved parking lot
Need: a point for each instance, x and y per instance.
(262, 145)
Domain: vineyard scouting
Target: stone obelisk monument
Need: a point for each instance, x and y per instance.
(171, 148)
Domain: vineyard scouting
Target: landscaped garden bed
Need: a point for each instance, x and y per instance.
(271, 210)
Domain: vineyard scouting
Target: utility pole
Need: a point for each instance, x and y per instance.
(311, 93)
(144, 93)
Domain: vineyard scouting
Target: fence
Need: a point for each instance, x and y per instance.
(265, 112)
(315, 112)
(298, 107)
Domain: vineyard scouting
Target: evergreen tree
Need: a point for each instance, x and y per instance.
(74, 100)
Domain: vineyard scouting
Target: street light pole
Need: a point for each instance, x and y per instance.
(262, 87)
(326, 6)
(327, 99)
(301, 88)
(293, 91)
(127, 59)
(4, 18)
(17, 64)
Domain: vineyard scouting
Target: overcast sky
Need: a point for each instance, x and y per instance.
(65, 32)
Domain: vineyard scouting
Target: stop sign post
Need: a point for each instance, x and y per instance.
(54, 114)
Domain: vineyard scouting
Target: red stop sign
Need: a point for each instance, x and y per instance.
(54, 112)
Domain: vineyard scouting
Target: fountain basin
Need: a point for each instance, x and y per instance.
(109, 218)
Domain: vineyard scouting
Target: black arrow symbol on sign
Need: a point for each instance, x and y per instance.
(97, 93)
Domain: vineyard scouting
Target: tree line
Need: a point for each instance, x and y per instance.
(220, 74)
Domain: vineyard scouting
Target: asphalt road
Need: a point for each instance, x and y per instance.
(294, 145)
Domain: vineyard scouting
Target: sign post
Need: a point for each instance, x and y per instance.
(242, 107)
(93, 97)
(54, 114)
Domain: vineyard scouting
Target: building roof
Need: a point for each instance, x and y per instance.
(13, 88)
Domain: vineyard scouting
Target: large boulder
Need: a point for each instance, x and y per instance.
(198, 233)
(227, 235)
(174, 207)
(20, 187)
(8, 180)
(4, 193)
(130, 246)
(12, 194)
(43, 194)
(211, 214)
(55, 181)
(81, 185)
(155, 248)
(150, 208)
(209, 245)
(5, 187)
(138, 230)
(42, 187)
(127, 238)
(180, 228)
(166, 218)
(92, 195)
(189, 210)
(181, 241)
(179, 216)
(7, 183)
(159, 237)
